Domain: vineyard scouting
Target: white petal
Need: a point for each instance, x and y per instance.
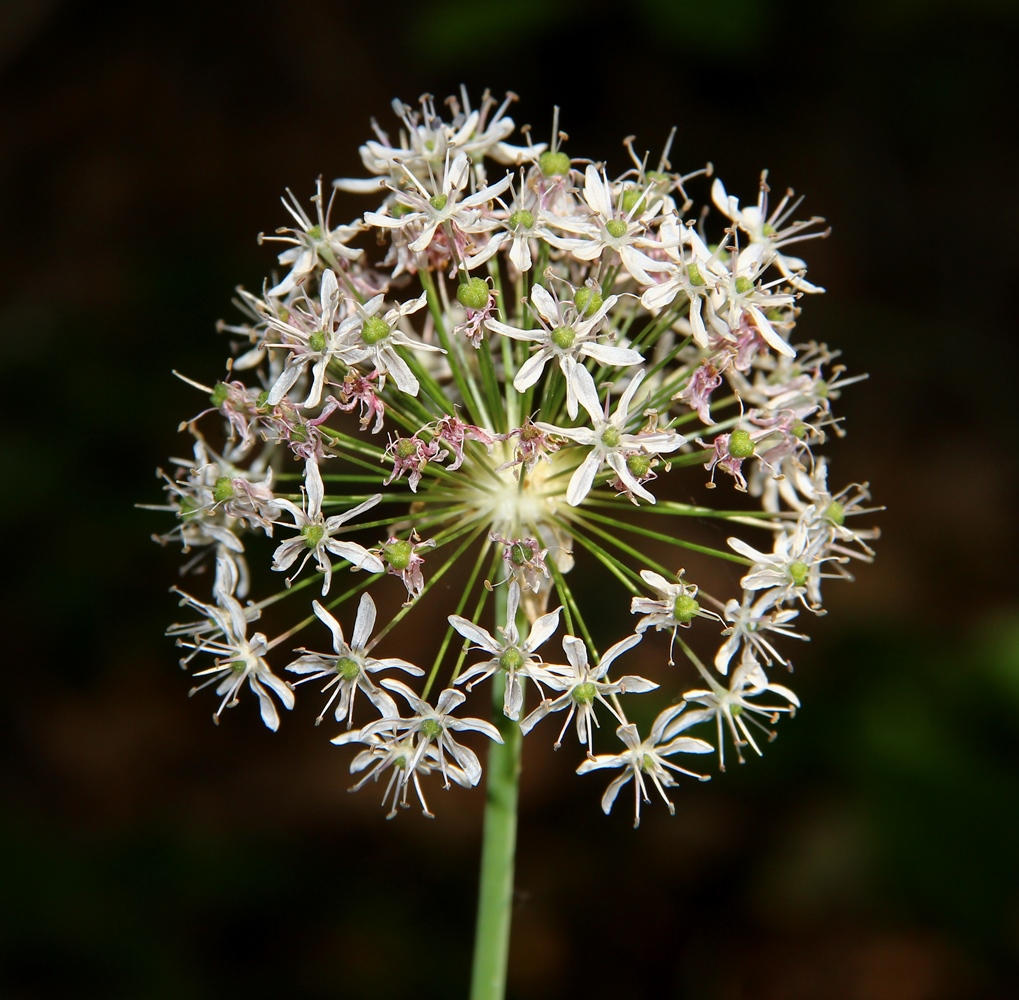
(583, 479)
(476, 634)
(545, 305)
(530, 371)
(339, 642)
(364, 623)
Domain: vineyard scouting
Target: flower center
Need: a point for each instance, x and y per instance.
(685, 609)
(313, 534)
(374, 330)
(563, 337)
(521, 219)
(798, 573)
(610, 436)
(512, 659)
(584, 693)
(616, 228)
(431, 728)
(347, 668)
(398, 554)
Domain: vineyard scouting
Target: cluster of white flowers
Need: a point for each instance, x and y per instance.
(540, 343)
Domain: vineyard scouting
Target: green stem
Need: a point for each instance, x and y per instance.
(498, 849)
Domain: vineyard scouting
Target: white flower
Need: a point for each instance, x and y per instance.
(432, 728)
(444, 207)
(316, 344)
(676, 607)
(733, 708)
(348, 670)
(749, 622)
(583, 685)
(609, 443)
(609, 229)
(511, 654)
(401, 754)
(565, 335)
(316, 531)
(379, 337)
(792, 570)
(766, 229)
(696, 274)
(311, 240)
(646, 758)
(238, 659)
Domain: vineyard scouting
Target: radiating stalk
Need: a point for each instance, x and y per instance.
(498, 849)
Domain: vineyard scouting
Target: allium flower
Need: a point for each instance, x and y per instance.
(646, 758)
(510, 654)
(239, 658)
(475, 409)
(347, 671)
(583, 685)
(610, 443)
(568, 334)
(316, 532)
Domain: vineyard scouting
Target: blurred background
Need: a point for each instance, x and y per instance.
(871, 853)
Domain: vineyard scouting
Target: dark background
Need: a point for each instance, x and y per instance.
(146, 854)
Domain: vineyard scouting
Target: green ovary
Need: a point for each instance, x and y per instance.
(374, 330)
(583, 694)
(347, 668)
(398, 554)
(740, 445)
(521, 219)
(685, 609)
(563, 337)
(554, 164)
(512, 659)
(223, 490)
(610, 437)
(798, 573)
(312, 535)
(431, 728)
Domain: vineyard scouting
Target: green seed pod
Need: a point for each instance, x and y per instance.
(317, 341)
(347, 668)
(520, 554)
(740, 445)
(639, 465)
(473, 293)
(685, 609)
(563, 337)
(521, 219)
(693, 272)
(632, 198)
(616, 228)
(398, 554)
(223, 490)
(588, 301)
(312, 534)
(610, 436)
(262, 400)
(584, 693)
(554, 164)
(512, 659)
(405, 447)
(438, 201)
(374, 330)
(220, 394)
